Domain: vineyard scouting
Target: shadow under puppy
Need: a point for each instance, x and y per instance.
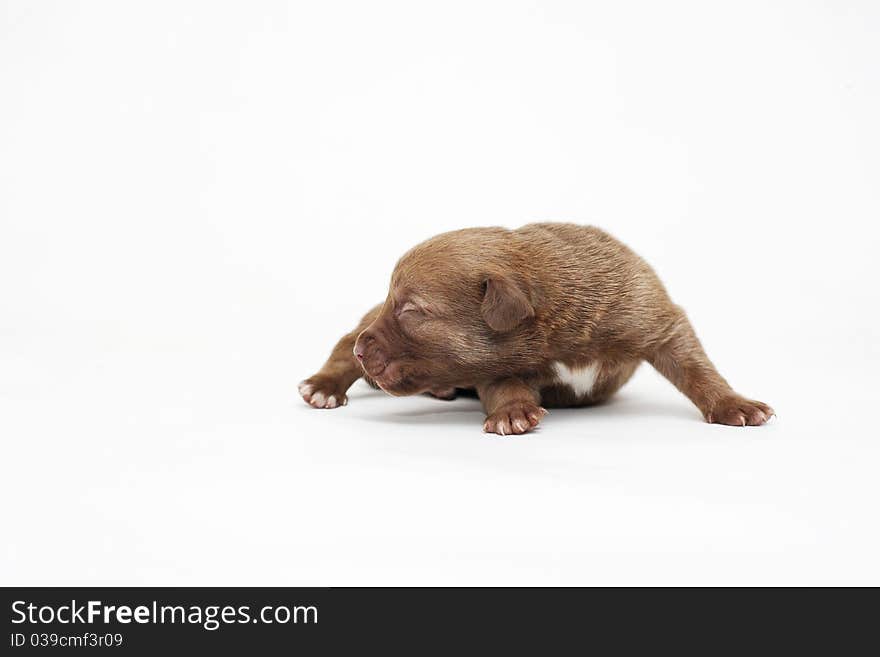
(546, 315)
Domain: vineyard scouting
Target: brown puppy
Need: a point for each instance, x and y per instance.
(549, 314)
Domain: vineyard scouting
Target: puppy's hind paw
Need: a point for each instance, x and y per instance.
(321, 392)
(446, 394)
(514, 418)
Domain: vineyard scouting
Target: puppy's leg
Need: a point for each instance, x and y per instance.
(327, 388)
(679, 356)
(511, 406)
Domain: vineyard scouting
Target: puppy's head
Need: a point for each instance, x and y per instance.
(455, 311)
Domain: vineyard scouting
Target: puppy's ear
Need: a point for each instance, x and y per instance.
(505, 306)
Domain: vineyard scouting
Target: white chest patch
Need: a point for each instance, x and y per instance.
(579, 379)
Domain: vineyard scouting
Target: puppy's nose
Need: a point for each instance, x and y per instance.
(361, 344)
(369, 353)
(358, 351)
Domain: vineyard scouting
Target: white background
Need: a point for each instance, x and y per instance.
(198, 199)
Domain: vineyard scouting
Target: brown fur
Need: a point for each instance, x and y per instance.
(492, 309)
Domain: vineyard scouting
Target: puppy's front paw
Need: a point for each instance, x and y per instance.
(322, 392)
(738, 412)
(514, 418)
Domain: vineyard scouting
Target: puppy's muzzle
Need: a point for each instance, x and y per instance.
(369, 353)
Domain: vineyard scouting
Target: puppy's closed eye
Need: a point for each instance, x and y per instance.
(409, 307)
(417, 308)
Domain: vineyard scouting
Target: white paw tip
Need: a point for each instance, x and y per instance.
(331, 402)
(318, 400)
(305, 389)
